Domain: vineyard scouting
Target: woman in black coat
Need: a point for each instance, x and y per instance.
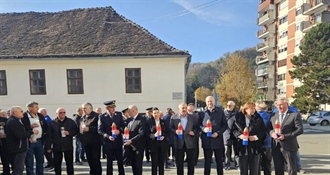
(249, 155)
(158, 142)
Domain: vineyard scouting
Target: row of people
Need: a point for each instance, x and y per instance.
(136, 131)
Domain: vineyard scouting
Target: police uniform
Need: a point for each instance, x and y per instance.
(112, 148)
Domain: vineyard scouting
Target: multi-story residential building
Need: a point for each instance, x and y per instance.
(283, 24)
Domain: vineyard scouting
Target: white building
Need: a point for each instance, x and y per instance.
(87, 55)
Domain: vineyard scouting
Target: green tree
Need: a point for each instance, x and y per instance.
(312, 68)
(237, 83)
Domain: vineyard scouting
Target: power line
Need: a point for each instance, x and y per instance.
(182, 12)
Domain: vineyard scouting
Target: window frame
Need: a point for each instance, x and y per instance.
(4, 80)
(38, 79)
(68, 79)
(133, 77)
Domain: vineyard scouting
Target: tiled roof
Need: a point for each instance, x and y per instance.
(79, 32)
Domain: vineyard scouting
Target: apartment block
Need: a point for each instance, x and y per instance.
(283, 24)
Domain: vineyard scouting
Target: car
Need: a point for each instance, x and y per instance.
(319, 117)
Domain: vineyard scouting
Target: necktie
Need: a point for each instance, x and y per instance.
(282, 117)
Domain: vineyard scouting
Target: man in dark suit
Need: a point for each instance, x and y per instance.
(148, 116)
(112, 145)
(137, 139)
(187, 143)
(167, 118)
(214, 143)
(285, 144)
(34, 120)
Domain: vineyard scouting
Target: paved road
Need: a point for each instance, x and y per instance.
(315, 156)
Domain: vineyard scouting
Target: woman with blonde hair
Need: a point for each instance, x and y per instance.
(250, 131)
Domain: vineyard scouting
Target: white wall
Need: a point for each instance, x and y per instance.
(104, 79)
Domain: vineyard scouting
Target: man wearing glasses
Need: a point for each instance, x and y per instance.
(228, 140)
(17, 139)
(60, 140)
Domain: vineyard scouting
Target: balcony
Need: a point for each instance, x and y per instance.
(267, 18)
(314, 6)
(265, 32)
(308, 25)
(261, 84)
(268, 44)
(261, 71)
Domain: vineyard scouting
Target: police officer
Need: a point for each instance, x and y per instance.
(111, 126)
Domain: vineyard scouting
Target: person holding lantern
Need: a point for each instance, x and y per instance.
(213, 126)
(250, 131)
(111, 126)
(157, 132)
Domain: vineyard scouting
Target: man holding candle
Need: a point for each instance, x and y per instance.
(213, 126)
(60, 135)
(111, 126)
(285, 144)
(185, 139)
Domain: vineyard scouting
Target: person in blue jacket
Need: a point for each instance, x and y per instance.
(266, 154)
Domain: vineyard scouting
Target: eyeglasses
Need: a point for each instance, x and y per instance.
(228, 105)
(61, 112)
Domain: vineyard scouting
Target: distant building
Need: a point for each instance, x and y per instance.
(283, 25)
(64, 59)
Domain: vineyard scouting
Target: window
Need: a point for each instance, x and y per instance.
(282, 63)
(3, 82)
(283, 34)
(284, 19)
(298, 27)
(37, 82)
(298, 12)
(281, 77)
(282, 48)
(75, 81)
(318, 18)
(133, 80)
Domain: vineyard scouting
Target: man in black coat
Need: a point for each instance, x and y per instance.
(60, 140)
(3, 144)
(112, 145)
(90, 138)
(34, 120)
(214, 143)
(167, 118)
(17, 140)
(137, 140)
(148, 116)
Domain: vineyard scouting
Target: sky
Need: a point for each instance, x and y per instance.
(207, 29)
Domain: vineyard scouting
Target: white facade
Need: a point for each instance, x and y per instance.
(162, 82)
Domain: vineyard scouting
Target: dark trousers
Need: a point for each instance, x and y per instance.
(49, 157)
(171, 149)
(93, 152)
(4, 160)
(249, 162)
(126, 156)
(68, 157)
(118, 154)
(266, 159)
(196, 152)
(218, 159)
(136, 160)
(282, 156)
(157, 160)
(17, 162)
(180, 153)
(147, 152)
